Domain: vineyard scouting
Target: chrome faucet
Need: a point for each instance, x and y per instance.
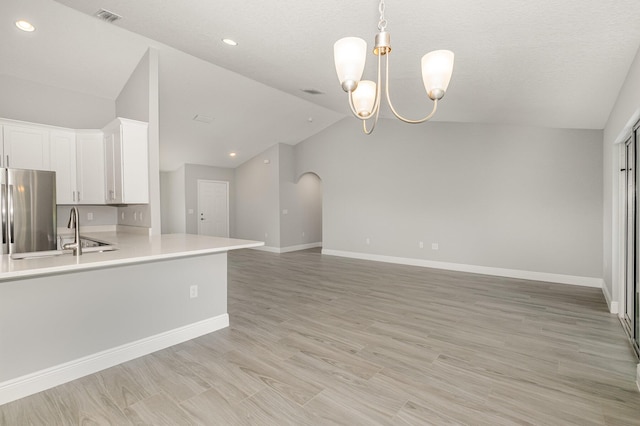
(74, 220)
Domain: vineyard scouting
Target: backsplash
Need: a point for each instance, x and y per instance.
(134, 215)
(89, 215)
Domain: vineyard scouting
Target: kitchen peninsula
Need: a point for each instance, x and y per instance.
(63, 317)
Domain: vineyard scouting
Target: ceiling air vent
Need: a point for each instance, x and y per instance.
(312, 91)
(203, 118)
(107, 16)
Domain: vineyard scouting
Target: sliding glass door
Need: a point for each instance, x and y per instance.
(630, 317)
(634, 310)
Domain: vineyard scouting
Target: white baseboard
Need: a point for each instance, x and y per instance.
(289, 248)
(50, 377)
(484, 270)
(613, 306)
(300, 247)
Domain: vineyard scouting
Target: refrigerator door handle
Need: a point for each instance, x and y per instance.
(10, 194)
(3, 197)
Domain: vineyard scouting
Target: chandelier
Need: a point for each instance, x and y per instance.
(364, 96)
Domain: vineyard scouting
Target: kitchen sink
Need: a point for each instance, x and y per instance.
(89, 245)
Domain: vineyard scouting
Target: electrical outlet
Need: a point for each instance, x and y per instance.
(266, 235)
(421, 244)
(90, 216)
(368, 240)
(135, 216)
(193, 291)
(285, 211)
(302, 233)
(435, 246)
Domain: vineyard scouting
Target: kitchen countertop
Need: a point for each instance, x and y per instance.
(131, 248)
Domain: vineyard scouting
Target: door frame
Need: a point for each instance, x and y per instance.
(198, 182)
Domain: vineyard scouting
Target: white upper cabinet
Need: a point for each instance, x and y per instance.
(126, 162)
(63, 162)
(26, 147)
(90, 167)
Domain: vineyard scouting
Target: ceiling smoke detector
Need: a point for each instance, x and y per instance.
(107, 16)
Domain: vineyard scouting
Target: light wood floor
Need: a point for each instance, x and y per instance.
(324, 340)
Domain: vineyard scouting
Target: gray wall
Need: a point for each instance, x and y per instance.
(257, 198)
(172, 201)
(38, 103)
(490, 195)
(55, 319)
(302, 201)
(138, 100)
(193, 172)
(272, 200)
(624, 113)
(179, 196)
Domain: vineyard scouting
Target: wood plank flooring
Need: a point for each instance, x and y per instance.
(320, 340)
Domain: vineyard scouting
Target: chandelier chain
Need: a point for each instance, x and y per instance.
(382, 24)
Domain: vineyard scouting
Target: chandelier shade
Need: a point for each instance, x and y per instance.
(364, 98)
(437, 67)
(350, 54)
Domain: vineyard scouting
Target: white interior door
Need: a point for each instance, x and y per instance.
(213, 208)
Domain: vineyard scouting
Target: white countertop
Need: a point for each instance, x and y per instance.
(131, 248)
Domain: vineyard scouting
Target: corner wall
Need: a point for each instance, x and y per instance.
(138, 100)
(301, 199)
(172, 199)
(258, 199)
(624, 114)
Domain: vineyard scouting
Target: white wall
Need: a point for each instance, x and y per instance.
(624, 114)
(102, 215)
(38, 103)
(499, 196)
(138, 100)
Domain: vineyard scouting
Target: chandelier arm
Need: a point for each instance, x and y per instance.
(353, 108)
(376, 104)
(406, 120)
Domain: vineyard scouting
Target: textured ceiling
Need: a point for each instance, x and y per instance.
(546, 63)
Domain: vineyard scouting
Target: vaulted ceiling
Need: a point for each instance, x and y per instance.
(545, 63)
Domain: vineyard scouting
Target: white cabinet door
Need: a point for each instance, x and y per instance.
(63, 162)
(113, 165)
(135, 162)
(90, 167)
(26, 148)
(126, 162)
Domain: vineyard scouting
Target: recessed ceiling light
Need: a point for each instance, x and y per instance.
(232, 154)
(229, 42)
(25, 26)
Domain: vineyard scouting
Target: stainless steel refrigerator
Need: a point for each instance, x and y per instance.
(28, 204)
